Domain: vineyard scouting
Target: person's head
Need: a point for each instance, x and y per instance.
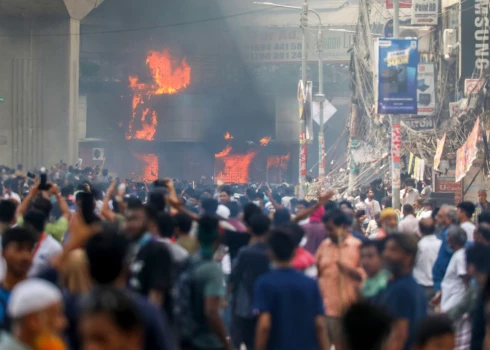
(110, 320)
(7, 212)
(106, 256)
(36, 309)
(399, 253)
(436, 332)
(248, 211)
(105, 172)
(427, 226)
(42, 204)
(482, 233)
(371, 256)
(301, 206)
(250, 193)
(35, 221)
(360, 215)
(183, 224)
(225, 195)
(410, 184)
(331, 205)
(389, 220)
(295, 230)
(446, 216)
(370, 194)
(281, 216)
(209, 205)
(456, 237)
(137, 220)
(281, 246)
(207, 235)
(407, 210)
(165, 225)
(259, 199)
(482, 196)
(369, 320)
(17, 246)
(234, 209)
(427, 204)
(259, 225)
(377, 218)
(477, 262)
(465, 211)
(336, 223)
(345, 204)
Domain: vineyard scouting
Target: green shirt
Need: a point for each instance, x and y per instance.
(375, 284)
(56, 229)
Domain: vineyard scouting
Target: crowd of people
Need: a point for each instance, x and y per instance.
(92, 263)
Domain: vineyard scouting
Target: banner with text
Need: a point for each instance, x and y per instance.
(397, 74)
(468, 152)
(426, 96)
(424, 12)
(439, 149)
(402, 3)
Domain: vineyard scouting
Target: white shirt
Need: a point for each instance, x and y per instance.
(376, 206)
(179, 254)
(410, 198)
(428, 249)
(409, 225)
(469, 228)
(425, 214)
(452, 286)
(48, 249)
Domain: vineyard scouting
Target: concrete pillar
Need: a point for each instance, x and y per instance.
(39, 78)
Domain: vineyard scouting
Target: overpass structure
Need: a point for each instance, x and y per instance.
(39, 80)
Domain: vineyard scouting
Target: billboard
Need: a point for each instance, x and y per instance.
(397, 76)
(426, 96)
(468, 152)
(425, 12)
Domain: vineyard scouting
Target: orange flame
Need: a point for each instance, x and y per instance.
(228, 136)
(278, 161)
(149, 167)
(224, 152)
(264, 141)
(166, 81)
(236, 167)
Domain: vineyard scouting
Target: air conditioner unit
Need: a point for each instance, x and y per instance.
(422, 33)
(97, 153)
(450, 44)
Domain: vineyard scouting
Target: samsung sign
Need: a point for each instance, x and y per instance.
(474, 53)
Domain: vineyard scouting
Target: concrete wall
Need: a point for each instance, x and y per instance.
(39, 68)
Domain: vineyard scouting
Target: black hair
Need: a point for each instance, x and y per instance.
(477, 255)
(346, 203)
(281, 244)
(106, 255)
(467, 207)
(227, 190)
(35, 219)
(209, 205)
(87, 207)
(156, 201)
(379, 244)
(297, 232)
(42, 204)
(259, 224)
(248, 211)
(302, 202)
(183, 222)
(360, 213)
(337, 216)
(250, 193)
(281, 216)
(407, 208)
(116, 304)
(407, 243)
(373, 322)
(234, 209)
(330, 206)
(7, 211)
(134, 203)
(165, 224)
(259, 196)
(427, 226)
(484, 230)
(18, 235)
(433, 326)
(208, 230)
(484, 217)
(105, 172)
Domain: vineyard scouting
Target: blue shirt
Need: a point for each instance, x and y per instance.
(443, 258)
(293, 300)
(403, 298)
(4, 319)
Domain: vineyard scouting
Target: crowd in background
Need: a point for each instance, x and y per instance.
(90, 262)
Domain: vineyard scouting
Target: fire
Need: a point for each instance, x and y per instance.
(149, 167)
(278, 161)
(166, 80)
(264, 141)
(224, 152)
(228, 136)
(236, 167)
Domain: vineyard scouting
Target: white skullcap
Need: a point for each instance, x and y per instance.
(31, 296)
(223, 211)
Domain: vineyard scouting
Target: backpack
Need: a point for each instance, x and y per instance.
(184, 296)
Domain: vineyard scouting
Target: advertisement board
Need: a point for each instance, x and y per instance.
(404, 4)
(426, 96)
(439, 149)
(397, 76)
(468, 152)
(425, 12)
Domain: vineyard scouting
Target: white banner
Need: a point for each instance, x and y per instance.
(424, 12)
(426, 97)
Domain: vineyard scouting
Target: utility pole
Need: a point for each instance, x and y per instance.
(395, 128)
(354, 130)
(320, 97)
(303, 148)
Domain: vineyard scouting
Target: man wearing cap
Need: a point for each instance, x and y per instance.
(36, 309)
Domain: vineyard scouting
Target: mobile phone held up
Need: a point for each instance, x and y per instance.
(43, 185)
